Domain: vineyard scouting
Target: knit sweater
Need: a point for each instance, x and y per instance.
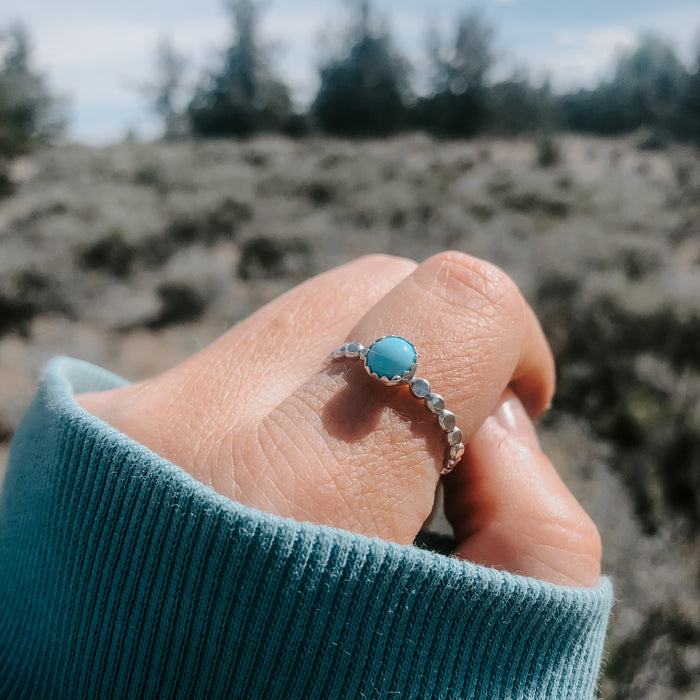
(122, 576)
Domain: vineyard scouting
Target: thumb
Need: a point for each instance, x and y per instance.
(510, 509)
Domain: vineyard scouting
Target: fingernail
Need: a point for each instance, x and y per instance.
(512, 417)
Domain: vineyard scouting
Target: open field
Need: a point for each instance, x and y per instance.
(135, 256)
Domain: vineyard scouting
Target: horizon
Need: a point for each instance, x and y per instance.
(572, 47)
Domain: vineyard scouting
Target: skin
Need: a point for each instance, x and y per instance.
(256, 416)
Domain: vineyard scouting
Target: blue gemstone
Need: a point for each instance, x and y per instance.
(391, 356)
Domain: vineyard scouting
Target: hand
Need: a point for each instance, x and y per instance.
(257, 417)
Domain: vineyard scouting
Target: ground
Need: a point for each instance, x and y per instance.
(135, 256)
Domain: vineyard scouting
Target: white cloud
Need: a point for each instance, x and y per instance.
(599, 39)
(579, 58)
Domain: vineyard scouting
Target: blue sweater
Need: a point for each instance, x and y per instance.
(121, 576)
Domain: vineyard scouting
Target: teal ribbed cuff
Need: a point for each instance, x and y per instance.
(121, 576)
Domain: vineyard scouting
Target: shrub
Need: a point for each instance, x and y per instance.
(149, 175)
(319, 193)
(221, 222)
(7, 187)
(6, 432)
(266, 257)
(652, 422)
(28, 294)
(111, 254)
(179, 303)
(548, 151)
(16, 313)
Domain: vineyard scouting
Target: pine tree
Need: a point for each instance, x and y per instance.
(166, 91)
(29, 114)
(363, 88)
(458, 104)
(245, 96)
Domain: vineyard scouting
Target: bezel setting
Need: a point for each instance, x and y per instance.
(396, 379)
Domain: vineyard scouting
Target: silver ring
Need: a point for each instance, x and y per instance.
(393, 361)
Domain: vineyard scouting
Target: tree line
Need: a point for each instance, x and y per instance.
(365, 89)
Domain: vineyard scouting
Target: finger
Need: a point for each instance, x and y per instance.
(534, 378)
(510, 509)
(264, 358)
(474, 332)
(379, 446)
(248, 371)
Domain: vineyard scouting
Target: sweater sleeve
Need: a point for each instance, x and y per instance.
(122, 576)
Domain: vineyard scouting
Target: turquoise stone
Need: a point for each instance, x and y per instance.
(390, 357)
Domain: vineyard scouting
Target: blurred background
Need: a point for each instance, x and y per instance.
(168, 167)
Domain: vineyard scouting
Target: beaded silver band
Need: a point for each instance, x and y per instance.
(420, 388)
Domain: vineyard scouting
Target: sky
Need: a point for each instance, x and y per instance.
(98, 54)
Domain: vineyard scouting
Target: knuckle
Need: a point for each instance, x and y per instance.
(590, 538)
(383, 260)
(464, 276)
(580, 535)
(376, 258)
